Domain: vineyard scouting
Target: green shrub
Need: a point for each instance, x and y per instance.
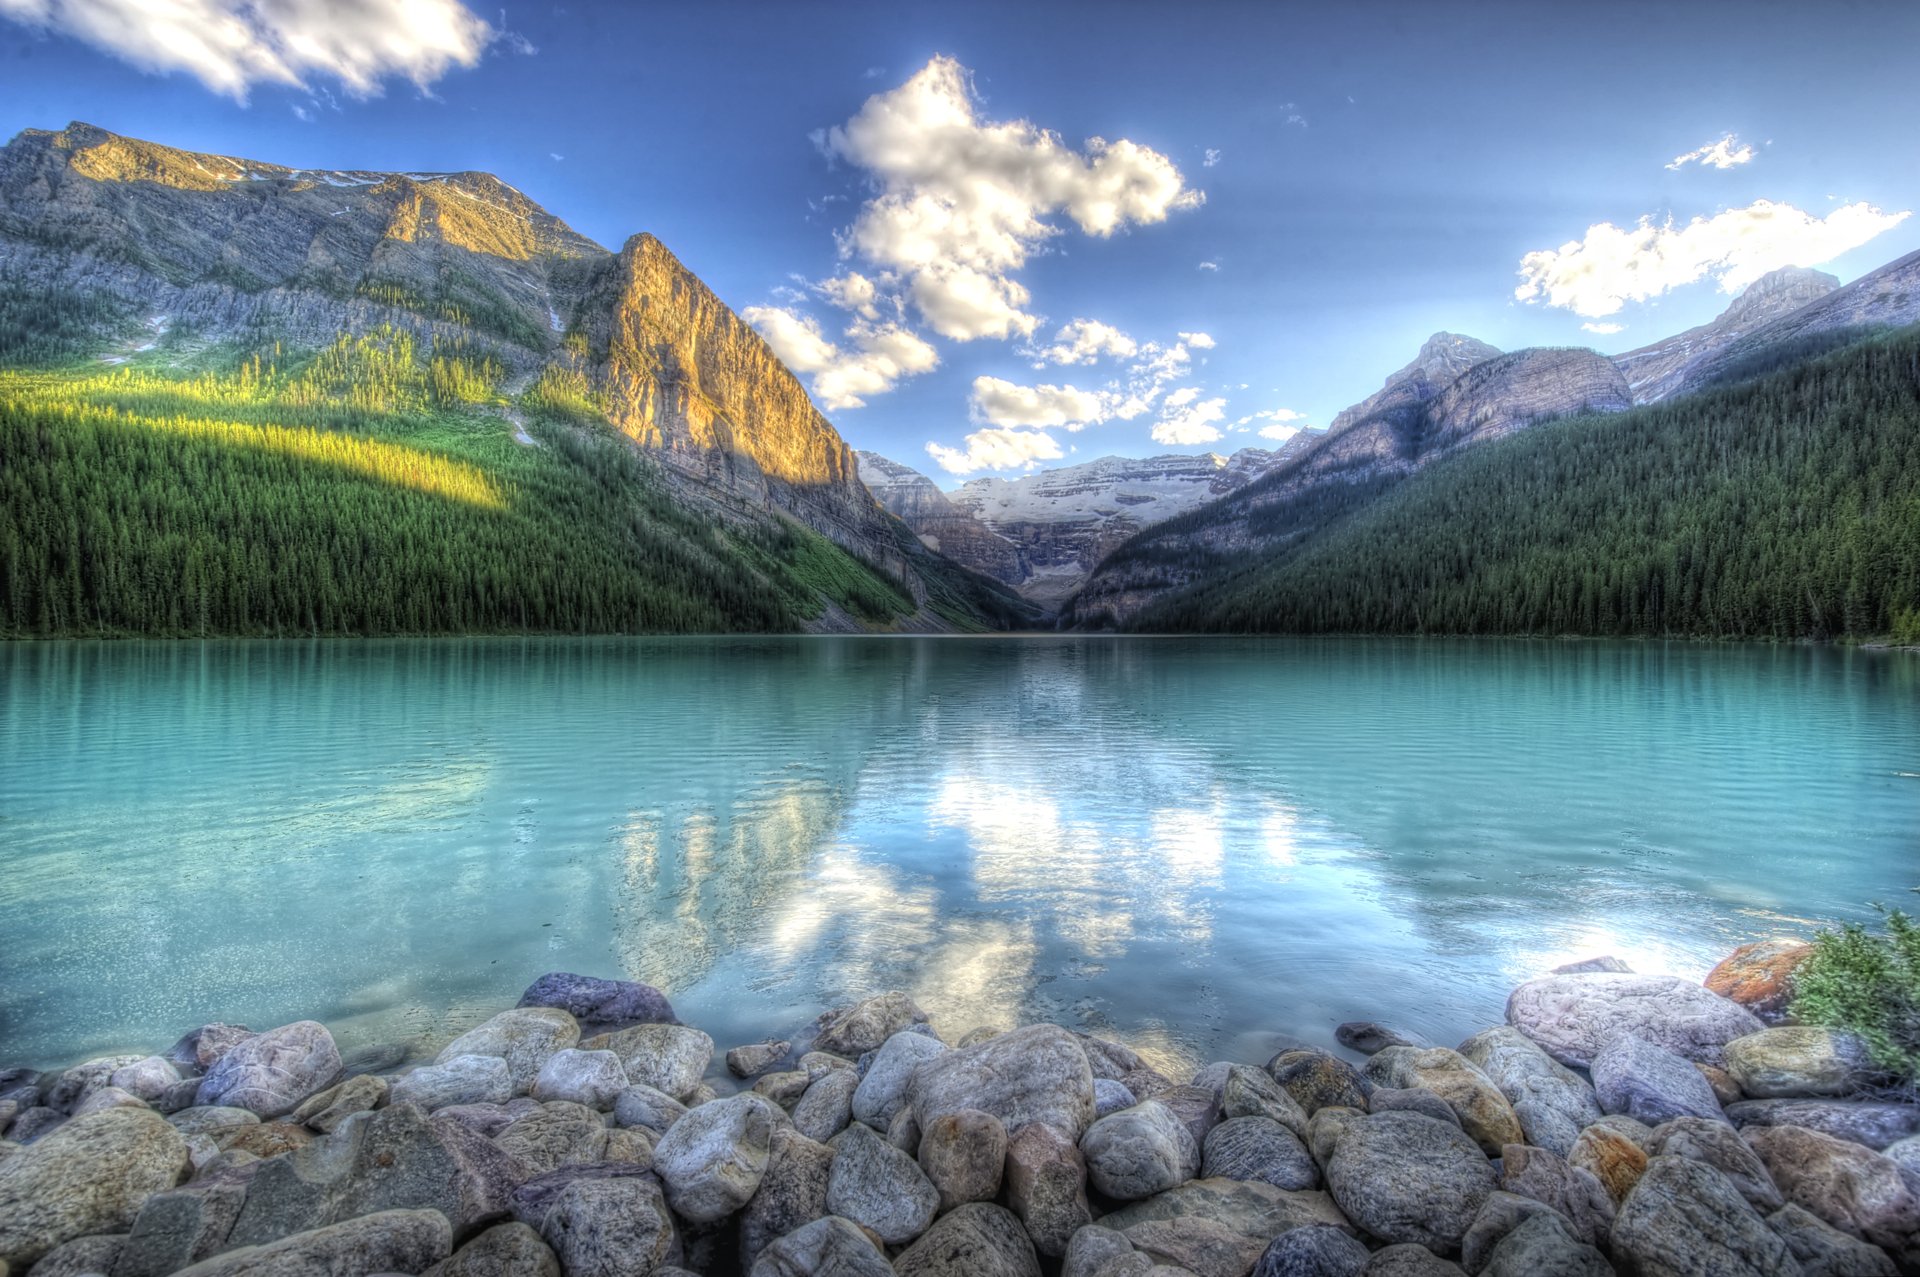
(1869, 983)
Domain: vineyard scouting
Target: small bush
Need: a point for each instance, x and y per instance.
(1869, 983)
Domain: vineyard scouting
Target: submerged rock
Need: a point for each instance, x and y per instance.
(1368, 1037)
(591, 1000)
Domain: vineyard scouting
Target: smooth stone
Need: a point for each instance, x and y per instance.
(1649, 1084)
(149, 1079)
(879, 1187)
(530, 1202)
(975, 1240)
(1317, 1080)
(1409, 1260)
(337, 1103)
(1572, 1017)
(756, 1058)
(1542, 1247)
(265, 1139)
(376, 1057)
(1035, 1074)
(82, 1257)
(36, 1123)
(1502, 1213)
(1251, 1092)
(1719, 1146)
(201, 1048)
(559, 1134)
(1110, 1096)
(1825, 1251)
(72, 1087)
(1480, 1106)
(1329, 1124)
(1197, 1246)
(784, 1089)
(1589, 966)
(1411, 1099)
(854, 1030)
(1252, 1209)
(506, 1250)
(1683, 1219)
(1316, 1250)
(1046, 1186)
(647, 1108)
(1139, 1152)
(1610, 1157)
(183, 1226)
(828, 1247)
(1874, 1123)
(524, 1037)
(592, 1078)
(670, 1058)
(1197, 1107)
(1849, 1185)
(792, 1193)
(1759, 976)
(1258, 1148)
(827, 1105)
(1407, 1178)
(103, 1098)
(964, 1156)
(272, 1072)
(459, 1079)
(883, 1090)
(712, 1160)
(1796, 1063)
(393, 1241)
(1110, 1060)
(1553, 1103)
(1092, 1249)
(1369, 1036)
(592, 1000)
(1578, 1196)
(615, 1227)
(91, 1175)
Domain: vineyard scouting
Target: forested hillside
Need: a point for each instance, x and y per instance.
(1783, 508)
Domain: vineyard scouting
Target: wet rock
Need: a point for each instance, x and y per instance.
(149, 1079)
(1502, 1213)
(204, 1121)
(712, 1160)
(670, 1058)
(793, 1192)
(201, 1049)
(1110, 1097)
(1610, 1157)
(182, 1226)
(1368, 1036)
(1719, 1146)
(524, 1037)
(883, 1091)
(559, 1134)
(90, 1176)
(829, 1247)
(1047, 1186)
(1197, 1246)
(1759, 976)
(1317, 1250)
(1541, 1246)
(1481, 1108)
(1251, 1092)
(394, 1241)
(866, 1025)
(1825, 1251)
(265, 1139)
(1576, 1195)
(1683, 1219)
(617, 1227)
(827, 1106)
(1258, 1148)
(1411, 1099)
(505, 1250)
(1035, 1074)
(337, 1103)
(591, 1000)
(1408, 1260)
(784, 1089)
(754, 1059)
(963, 1156)
(1317, 1080)
(1552, 1102)
(1139, 1152)
(879, 1187)
(975, 1240)
(1649, 1084)
(81, 1257)
(1591, 966)
(1793, 1063)
(1572, 1017)
(1874, 1123)
(643, 1106)
(1252, 1209)
(1407, 1178)
(272, 1072)
(1848, 1185)
(592, 1078)
(459, 1079)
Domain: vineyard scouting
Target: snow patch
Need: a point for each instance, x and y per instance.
(553, 320)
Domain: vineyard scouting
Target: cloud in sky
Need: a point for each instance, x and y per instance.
(1728, 152)
(1188, 420)
(1282, 423)
(1605, 330)
(232, 45)
(1211, 158)
(1003, 403)
(1596, 275)
(1209, 265)
(1085, 341)
(997, 449)
(876, 356)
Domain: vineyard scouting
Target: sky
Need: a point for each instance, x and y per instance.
(994, 237)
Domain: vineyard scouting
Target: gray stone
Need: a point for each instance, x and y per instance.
(1316, 1250)
(149, 1078)
(1139, 1152)
(853, 1031)
(487, 1119)
(202, 1048)
(1252, 1209)
(524, 1037)
(592, 1078)
(883, 1091)
(1329, 1124)
(459, 1079)
(1198, 1246)
(82, 1257)
(712, 1160)
(1591, 966)
(91, 1175)
(1577, 1195)
(670, 1058)
(393, 1241)
(36, 1123)
(375, 1057)
(1109, 1060)
(1035, 1074)
(784, 1089)
(1874, 1123)
(1480, 1106)
(1258, 1148)
(879, 1187)
(182, 1226)
(1368, 1036)
(1797, 1062)
(1502, 1213)
(756, 1058)
(816, 1063)
(592, 1000)
(827, 1106)
(71, 1089)
(1411, 1099)
(530, 1202)
(505, 1250)
(272, 1072)
(1409, 1260)
(1825, 1251)
(1849, 1185)
(793, 1192)
(904, 1132)
(1572, 1017)
(828, 1247)
(648, 1108)
(337, 1103)
(1251, 1092)
(1110, 1097)
(1683, 1219)
(1317, 1080)
(616, 1227)
(1542, 1247)
(180, 1095)
(102, 1098)
(1407, 1178)
(1092, 1249)
(559, 1134)
(1719, 1146)
(1906, 1154)
(974, 1240)
(963, 1156)
(1197, 1107)
(1649, 1084)
(1047, 1186)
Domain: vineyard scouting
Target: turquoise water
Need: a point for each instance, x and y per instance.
(1194, 845)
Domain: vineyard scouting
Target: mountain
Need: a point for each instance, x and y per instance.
(1675, 365)
(940, 525)
(1442, 358)
(180, 264)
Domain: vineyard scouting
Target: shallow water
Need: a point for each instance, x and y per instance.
(1194, 845)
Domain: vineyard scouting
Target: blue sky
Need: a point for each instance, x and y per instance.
(904, 196)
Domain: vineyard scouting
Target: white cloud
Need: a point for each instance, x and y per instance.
(231, 45)
(1605, 330)
(1190, 424)
(1208, 266)
(1728, 152)
(1182, 397)
(1279, 432)
(962, 202)
(301, 113)
(1003, 403)
(1085, 341)
(878, 356)
(1199, 341)
(555, 156)
(852, 291)
(1596, 276)
(1282, 423)
(997, 449)
(1212, 157)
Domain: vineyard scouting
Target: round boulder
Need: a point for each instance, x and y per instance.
(271, 1073)
(1138, 1152)
(1759, 976)
(1572, 1017)
(1406, 1178)
(1791, 1063)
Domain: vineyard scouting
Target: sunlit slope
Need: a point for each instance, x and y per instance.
(1783, 508)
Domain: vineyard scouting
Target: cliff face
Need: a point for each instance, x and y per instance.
(1671, 367)
(941, 525)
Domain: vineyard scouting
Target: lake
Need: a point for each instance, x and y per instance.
(1193, 845)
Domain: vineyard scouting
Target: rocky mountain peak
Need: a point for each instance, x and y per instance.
(1669, 367)
(1442, 358)
(1777, 293)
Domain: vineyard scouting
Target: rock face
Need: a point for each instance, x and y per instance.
(866, 1025)
(90, 1176)
(1677, 364)
(1572, 1017)
(941, 526)
(1441, 361)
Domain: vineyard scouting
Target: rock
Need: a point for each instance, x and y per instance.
(1407, 1178)
(1258, 1148)
(1825, 1251)
(201, 1049)
(591, 1000)
(1317, 1080)
(108, 1097)
(1591, 966)
(559, 1134)
(645, 1107)
(148, 1079)
(879, 1187)
(206, 1121)
(1411, 1099)
(616, 1227)
(180, 1095)
(827, 1106)
(265, 1139)
(1146, 1083)
(1725, 1089)
(1542, 1247)
(1576, 1195)
(670, 1058)
(1092, 1249)
(1502, 1213)
(459, 1079)
(1874, 1123)
(753, 1060)
(592, 1078)
(883, 1091)
(1139, 1152)
(1316, 1250)
(829, 1247)
(1252, 1209)
(1552, 1102)
(395, 1158)
(1481, 1108)
(81, 1257)
(1849, 1185)
(1197, 1246)
(1650, 1085)
(337, 1103)
(35, 1123)
(1795, 1063)
(1408, 1260)
(1716, 1144)
(182, 1226)
(784, 1089)
(630, 1144)
(1197, 1107)
(712, 1160)
(816, 1063)
(523, 1037)
(1684, 1219)
(963, 1156)
(1906, 1153)
(974, 1240)
(1610, 1157)
(1759, 976)
(394, 1241)
(505, 1250)
(866, 1025)
(1329, 1124)
(1251, 1092)
(793, 1192)
(1109, 1060)
(489, 1119)
(90, 1176)
(1572, 1017)
(376, 1057)
(1367, 1037)
(1035, 1074)
(1046, 1186)
(1110, 1097)
(530, 1202)
(72, 1087)
(272, 1072)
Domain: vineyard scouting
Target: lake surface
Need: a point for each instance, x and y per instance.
(1192, 845)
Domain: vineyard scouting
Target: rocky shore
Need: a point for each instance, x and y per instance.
(1617, 1123)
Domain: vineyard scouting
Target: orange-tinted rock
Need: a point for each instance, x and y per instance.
(266, 1139)
(1759, 976)
(1616, 1161)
